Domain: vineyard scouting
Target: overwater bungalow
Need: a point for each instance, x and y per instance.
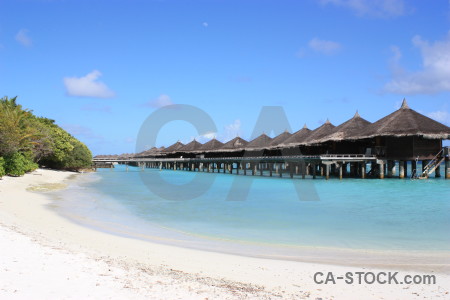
(232, 148)
(258, 146)
(190, 149)
(402, 136)
(209, 149)
(172, 149)
(341, 139)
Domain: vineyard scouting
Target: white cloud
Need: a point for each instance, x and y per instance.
(162, 100)
(440, 116)
(371, 8)
(434, 77)
(87, 86)
(205, 24)
(231, 131)
(23, 38)
(324, 46)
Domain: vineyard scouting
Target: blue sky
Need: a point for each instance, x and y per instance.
(99, 68)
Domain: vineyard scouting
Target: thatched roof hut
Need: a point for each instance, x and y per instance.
(212, 145)
(235, 144)
(280, 139)
(297, 138)
(173, 148)
(261, 142)
(318, 133)
(347, 130)
(405, 122)
(193, 146)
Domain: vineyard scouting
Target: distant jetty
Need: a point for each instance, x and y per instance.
(357, 148)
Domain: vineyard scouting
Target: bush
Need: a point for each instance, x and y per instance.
(2, 167)
(18, 164)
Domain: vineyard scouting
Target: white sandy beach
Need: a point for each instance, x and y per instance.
(45, 256)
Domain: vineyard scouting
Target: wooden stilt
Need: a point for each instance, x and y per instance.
(314, 170)
(401, 169)
(270, 169)
(327, 172)
(341, 167)
(447, 168)
(437, 171)
(363, 170)
(381, 168)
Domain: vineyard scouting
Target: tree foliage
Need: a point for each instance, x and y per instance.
(27, 140)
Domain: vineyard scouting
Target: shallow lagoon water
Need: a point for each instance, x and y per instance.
(353, 214)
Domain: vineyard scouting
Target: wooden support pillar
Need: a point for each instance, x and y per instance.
(253, 167)
(296, 169)
(244, 166)
(414, 167)
(341, 167)
(424, 164)
(390, 164)
(447, 168)
(381, 168)
(238, 165)
(270, 169)
(314, 170)
(327, 171)
(280, 170)
(437, 171)
(322, 171)
(291, 170)
(401, 169)
(363, 170)
(261, 169)
(276, 168)
(303, 165)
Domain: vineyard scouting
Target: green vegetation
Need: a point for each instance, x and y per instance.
(28, 141)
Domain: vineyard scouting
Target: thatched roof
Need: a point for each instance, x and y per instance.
(297, 138)
(146, 152)
(318, 133)
(280, 139)
(173, 147)
(235, 144)
(261, 142)
(406, 122)
(191, 147)
(212, 145)
(347, 130)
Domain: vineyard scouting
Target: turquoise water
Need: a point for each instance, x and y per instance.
(370, 214)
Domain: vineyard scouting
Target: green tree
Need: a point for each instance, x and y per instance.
(2, 167)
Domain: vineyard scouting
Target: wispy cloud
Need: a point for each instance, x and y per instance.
(442, 116)
(23, 38)
(162, 100)
(205, 24)
(81, 131)
(231, 131)
(371, 8)
(324, 46)
(434, 77)
(87, 86)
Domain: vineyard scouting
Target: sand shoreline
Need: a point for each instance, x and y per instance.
(142, 269)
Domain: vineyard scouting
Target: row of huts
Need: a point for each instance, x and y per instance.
(403, 135)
